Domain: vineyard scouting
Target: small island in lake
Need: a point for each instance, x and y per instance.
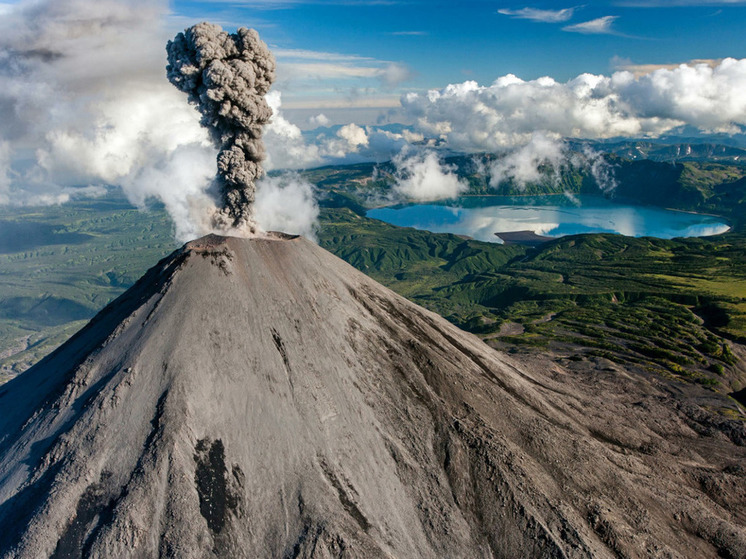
(524, 238)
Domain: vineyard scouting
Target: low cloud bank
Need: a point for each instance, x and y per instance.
(545, 158)
(470, 117)
(524, 164)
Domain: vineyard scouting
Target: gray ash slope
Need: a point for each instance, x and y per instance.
(261, 398)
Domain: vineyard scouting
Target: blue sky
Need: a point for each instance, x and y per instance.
(434, 43)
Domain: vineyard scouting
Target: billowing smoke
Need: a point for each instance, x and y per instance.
(227, 76)
(422, 176)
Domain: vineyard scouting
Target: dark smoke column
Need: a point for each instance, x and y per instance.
(227, 75)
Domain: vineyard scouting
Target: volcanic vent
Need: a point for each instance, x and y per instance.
(261, 398)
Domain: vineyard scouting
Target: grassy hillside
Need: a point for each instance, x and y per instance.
(665, 305)
(59, 265)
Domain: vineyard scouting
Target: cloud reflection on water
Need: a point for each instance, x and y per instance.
(491, 215)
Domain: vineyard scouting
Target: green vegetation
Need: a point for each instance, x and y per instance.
(59, 265)
(661, 304)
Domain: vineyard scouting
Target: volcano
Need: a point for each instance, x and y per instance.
(262, 398)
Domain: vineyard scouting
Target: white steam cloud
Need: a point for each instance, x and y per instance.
(422, 176)
(287, 203)
(85, 103)
(191, 168)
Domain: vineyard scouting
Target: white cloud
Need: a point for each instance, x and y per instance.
(319, 120)
(544, 158)
(600, 26)
(355, 135)
(383, 144)
(390, 75)
(287, 203)
(412, 137)
(534, 14)
(348, 140)
(641, 69)
(711, 98)
(299, 69)
(394, 73)
(675, 3)
(422, 176)
(522, 166)
(470, 117)
(286, 147)
(305, 54)
(326, 71)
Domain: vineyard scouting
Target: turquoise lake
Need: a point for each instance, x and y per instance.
(480, 217)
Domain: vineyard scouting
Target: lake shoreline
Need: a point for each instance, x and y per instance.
(586, 214)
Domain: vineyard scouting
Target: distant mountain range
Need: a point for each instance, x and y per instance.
(678, 151)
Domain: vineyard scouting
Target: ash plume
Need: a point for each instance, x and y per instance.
(227, 75)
